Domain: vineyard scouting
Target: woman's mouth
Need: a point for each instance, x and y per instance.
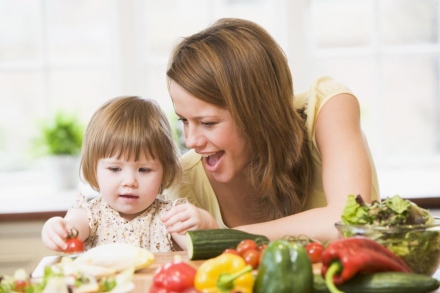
(212, 160)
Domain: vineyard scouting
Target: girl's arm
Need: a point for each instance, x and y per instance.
(346, 169)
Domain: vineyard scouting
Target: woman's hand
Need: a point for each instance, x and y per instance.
(185, 217)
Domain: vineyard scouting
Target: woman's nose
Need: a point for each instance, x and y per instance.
(193, 138)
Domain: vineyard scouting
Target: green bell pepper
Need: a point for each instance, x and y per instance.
(285, 268)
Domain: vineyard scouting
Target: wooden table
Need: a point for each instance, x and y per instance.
(143, 278)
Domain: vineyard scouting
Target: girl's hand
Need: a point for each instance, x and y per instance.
(185, 217)
(54, 233)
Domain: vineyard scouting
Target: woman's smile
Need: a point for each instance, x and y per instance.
(212, 133)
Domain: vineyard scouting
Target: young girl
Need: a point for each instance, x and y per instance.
(129, 156)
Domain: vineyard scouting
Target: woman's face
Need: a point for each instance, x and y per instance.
(211, 132)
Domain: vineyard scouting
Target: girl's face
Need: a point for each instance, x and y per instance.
(127, 186)
(211, 132)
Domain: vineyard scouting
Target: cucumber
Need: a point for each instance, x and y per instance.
(205, 244)
(383, 282)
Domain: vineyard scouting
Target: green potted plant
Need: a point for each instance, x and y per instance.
(60, 140)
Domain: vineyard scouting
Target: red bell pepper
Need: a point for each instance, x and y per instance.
(174, 277)
(345, 258)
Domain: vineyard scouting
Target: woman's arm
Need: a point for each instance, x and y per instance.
(346, 170)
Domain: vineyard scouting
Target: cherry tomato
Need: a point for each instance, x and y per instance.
(252, 257)
(314, 250)
(246, 245)
(20, 285)
(74, 245)
(231, 250)
(262, 248)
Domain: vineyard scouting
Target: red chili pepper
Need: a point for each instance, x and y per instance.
(345, 258)
(174, 277)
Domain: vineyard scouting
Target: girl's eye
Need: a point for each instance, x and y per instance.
(144, 170)
(114, 169)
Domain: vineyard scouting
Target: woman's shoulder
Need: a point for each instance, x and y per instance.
(321, 90)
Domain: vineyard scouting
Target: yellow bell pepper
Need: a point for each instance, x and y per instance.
(224, 273)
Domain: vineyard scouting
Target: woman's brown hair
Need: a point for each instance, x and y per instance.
(235, 64)
(127, 126)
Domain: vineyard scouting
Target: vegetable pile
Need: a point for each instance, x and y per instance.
(352, 265)
(400, 225)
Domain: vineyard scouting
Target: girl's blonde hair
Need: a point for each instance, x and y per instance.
(235, 64)
(128, 126)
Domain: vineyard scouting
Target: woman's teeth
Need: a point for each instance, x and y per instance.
(207, 155)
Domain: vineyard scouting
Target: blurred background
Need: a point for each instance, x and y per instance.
(73, 55)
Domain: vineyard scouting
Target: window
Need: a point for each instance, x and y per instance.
(387, 51)
(75, 54)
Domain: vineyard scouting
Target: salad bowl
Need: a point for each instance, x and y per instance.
(418, 245)
(408, 230)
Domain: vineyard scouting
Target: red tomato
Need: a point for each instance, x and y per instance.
(20, 285)
(252, 257)
(231, 250)
(74, 245)
(314, 250)
(246, 245)
(262, 247)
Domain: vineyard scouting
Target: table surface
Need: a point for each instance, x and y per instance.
(142, 279)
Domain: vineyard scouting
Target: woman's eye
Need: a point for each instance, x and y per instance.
(183, 120)
(208, 124)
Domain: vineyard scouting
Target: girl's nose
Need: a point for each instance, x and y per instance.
(130, 180)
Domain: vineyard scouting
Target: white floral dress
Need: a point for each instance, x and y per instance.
(107, 226)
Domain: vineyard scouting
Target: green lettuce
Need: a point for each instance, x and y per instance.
(405, 228)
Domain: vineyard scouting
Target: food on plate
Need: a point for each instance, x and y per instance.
(205, 244)
(104, 268)
(62, 278)
(224, 273)
(285, 267)
(74, 244)
(409, 231)
(116, 256)
(175, 276)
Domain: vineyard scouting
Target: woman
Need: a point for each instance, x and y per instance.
(263, 160)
